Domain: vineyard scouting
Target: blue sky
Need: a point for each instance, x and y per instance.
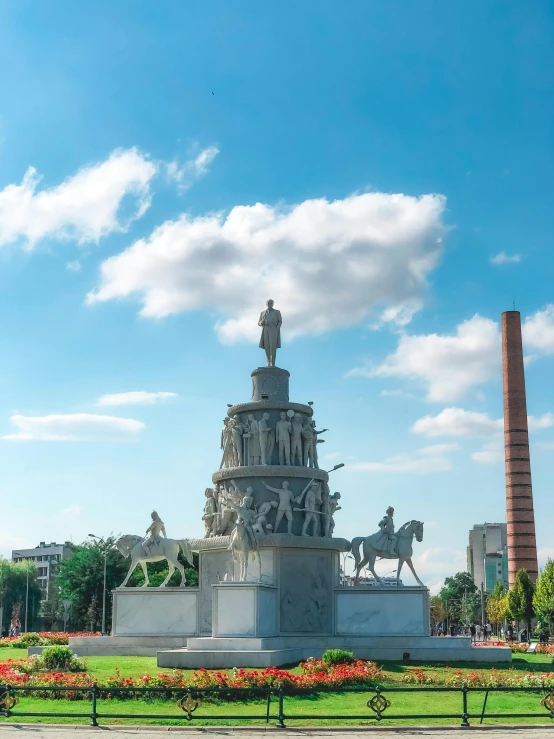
(382, 170)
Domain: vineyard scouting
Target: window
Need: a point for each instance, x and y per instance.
(42, 571)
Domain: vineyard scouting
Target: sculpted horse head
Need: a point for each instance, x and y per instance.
(410, 528)
(125, 543)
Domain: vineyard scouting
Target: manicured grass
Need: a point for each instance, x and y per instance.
(314, 707)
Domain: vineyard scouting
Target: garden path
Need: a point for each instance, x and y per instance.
(32, 731)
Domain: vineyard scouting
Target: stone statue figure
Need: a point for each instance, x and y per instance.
(226, 444)
(284, 508)
(227, 512)
(373, 548)
(254, 448)
(153, 532)
(331, 506)
(312, 491)
(283, 431)
(270, 321)
(315, 442)
(387, 541)
(236, 437)
(296, 440)
(210, 513)
(308, 444)
(133, 546)
(266, 439)
(261, 526)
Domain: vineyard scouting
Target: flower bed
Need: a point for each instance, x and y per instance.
(540, 649)
(315, 675)
(41, 638)
(479, 678)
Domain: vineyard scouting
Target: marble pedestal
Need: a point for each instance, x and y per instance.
(244, 609)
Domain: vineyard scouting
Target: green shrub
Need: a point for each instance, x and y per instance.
(61, 658)
(337, 657)
(28, 640)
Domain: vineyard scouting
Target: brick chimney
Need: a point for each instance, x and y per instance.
(522, 544)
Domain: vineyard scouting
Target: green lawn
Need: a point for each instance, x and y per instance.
(312, 708)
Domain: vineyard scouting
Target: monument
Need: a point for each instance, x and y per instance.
(269, 588)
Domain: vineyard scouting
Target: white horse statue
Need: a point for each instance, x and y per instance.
(131, 545)
(243, 541)
(405, 535)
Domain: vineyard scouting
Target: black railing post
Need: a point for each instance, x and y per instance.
(268, 705)
(281, 714)
(93, 713)
(465, 714)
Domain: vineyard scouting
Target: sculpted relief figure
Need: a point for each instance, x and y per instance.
(226, 444)
(270, 321)
(266, 439)
(153, 532)
(308, 443)
(330, 508)
(283, 431)
(261, 526)
(296, 440)
(236, 438)
(254, 448)
(312, 491)
(210, 513)
(284, 508)
(315, 442)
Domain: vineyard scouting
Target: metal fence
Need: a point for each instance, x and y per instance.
(195, 703)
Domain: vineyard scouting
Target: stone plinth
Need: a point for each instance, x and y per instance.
(305, 571)
(270, 383)
(244, 610)
(382, 611)
(155, 612)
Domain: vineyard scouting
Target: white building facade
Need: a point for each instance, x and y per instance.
(487, 555)
(46, 556)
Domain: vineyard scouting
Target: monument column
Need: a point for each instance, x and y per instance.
(522, 545)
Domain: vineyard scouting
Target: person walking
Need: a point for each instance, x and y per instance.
(472, 631)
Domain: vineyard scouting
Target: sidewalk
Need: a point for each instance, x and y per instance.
(33, 731)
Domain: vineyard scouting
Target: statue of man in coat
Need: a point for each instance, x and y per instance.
(270, 321)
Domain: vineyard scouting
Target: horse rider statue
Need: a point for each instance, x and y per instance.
(153, 532)
(387, 541)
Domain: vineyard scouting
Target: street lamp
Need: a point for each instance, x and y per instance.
(18, 554)
(102, 541)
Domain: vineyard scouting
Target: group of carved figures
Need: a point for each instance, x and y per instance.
(225, 505)
(251, 442)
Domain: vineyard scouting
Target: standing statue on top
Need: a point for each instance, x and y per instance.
(270, 321)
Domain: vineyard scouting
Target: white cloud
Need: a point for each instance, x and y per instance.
(425, 461)
(538, 330)
(84, 207)
(138, 397)
(457, 422)
(71, 510)
(185, 174)
(326, 264)
(448, 365)
(73, 427)
(74, 266)
(490, 453)
(503, 258)
(433, 565)
(544, 554)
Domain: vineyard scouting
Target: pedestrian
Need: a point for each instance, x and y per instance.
(472, 631)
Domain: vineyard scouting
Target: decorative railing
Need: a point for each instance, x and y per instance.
(195, 703)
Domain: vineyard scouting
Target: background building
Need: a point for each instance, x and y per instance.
(46, 557)
(487, 555)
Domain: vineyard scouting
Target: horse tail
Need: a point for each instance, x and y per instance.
(187, 551)
(355, 549)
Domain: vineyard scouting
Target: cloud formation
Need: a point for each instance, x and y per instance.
(74, 427)
(459, 422)
(138, 397)
(83, 208)
(326, 264)
(184, 175)
(447, 365)
(425, 461)
(538, 330)
(503, 258)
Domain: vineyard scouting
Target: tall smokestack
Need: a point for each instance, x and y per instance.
(522, 544)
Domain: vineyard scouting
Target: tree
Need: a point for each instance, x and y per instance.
(520, 599)
(437, 610)
(497, 606)
(51, 609)
(81, 578)
(13, 589)
(543, 599)
(460, 595)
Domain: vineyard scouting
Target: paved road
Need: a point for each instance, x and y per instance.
(50, 732)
